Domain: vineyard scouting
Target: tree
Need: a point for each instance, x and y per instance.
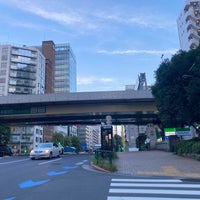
(67, 141)
(58, 138)
(176, 89)
(4, 134)
(75, 142)
(117, 142)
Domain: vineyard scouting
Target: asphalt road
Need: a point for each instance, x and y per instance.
(58, 178)
(71, 177)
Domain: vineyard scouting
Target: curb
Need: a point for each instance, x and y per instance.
(99, 168)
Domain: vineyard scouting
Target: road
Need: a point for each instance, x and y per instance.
(71, 177)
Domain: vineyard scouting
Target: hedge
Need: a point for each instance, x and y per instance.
(187, 147)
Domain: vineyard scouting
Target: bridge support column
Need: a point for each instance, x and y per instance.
(151, 133)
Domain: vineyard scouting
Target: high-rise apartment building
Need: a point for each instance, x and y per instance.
(48, 68)
(89, 136)
(188, 24)
(22, 71)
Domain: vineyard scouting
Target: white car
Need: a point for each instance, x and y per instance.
(45, 150)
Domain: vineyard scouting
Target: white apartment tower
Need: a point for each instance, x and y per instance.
(22, 71)
(188, 24)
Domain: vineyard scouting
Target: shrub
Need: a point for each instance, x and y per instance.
(105, 162)
(187, 147)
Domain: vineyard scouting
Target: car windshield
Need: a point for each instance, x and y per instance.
(45, 145)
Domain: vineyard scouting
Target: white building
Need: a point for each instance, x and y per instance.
(22, 71)
(188, 24)
(89, 136)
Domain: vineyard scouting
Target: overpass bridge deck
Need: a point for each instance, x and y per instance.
(79, 108)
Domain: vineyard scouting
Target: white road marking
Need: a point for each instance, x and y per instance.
(155, 191)
(155, 185)
(81, 163)
(15, 161)
(43, 163)
(148, 180)
(145, 189)
(146, 198)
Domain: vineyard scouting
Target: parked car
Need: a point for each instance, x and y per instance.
(61, 148)
(68, 149)
(45, 150)
(5, 151)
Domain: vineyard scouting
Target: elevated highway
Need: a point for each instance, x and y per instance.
(90, 108)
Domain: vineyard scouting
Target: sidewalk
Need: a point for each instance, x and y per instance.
(157, 163)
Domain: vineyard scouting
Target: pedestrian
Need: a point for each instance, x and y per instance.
(147, 142)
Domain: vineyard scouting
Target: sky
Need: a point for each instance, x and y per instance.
(113, 40)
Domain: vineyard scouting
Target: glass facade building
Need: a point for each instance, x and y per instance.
(65, 69)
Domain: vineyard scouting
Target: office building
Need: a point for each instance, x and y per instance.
(22, 71)
(65, 69)
(188, 24)
(60, 78)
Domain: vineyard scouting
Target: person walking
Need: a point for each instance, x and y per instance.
(147, 142)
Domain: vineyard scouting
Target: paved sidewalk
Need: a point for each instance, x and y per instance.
(157, 163)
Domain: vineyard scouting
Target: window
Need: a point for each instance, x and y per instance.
(2, 80)
(3, 65)
(4, 57)
(3, 72)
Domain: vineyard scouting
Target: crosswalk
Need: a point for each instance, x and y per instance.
(153, 189)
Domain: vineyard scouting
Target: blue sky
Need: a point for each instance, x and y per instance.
(113, 40)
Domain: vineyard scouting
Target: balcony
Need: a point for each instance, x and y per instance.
(25, 68)
(25, 53)
(186, 8)
(23, 61)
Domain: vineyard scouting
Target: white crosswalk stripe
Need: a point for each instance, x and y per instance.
(153, 189)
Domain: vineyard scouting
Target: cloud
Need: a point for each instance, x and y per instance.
(85, 18)
(133, 51)
(71, 17)
(92, 80)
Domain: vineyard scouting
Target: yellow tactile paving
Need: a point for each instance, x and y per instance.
(169, 171)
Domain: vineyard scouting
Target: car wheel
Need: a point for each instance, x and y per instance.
(50, 155)
(32, 158)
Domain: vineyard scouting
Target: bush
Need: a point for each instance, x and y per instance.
(196, 148)
(105, 162)
(187, 147)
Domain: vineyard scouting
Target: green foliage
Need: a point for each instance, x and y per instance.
(176, 89)
(187, 147)
(75, 142)
(67, 141)
(58, 138)
(5, 133)
(105, 163)
(117, 142)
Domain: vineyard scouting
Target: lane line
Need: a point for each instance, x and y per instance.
(145, 198)
(155, 185)
(148, 180)
(43, 163)
(150, 191)
(81, 163)
(15, 161)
